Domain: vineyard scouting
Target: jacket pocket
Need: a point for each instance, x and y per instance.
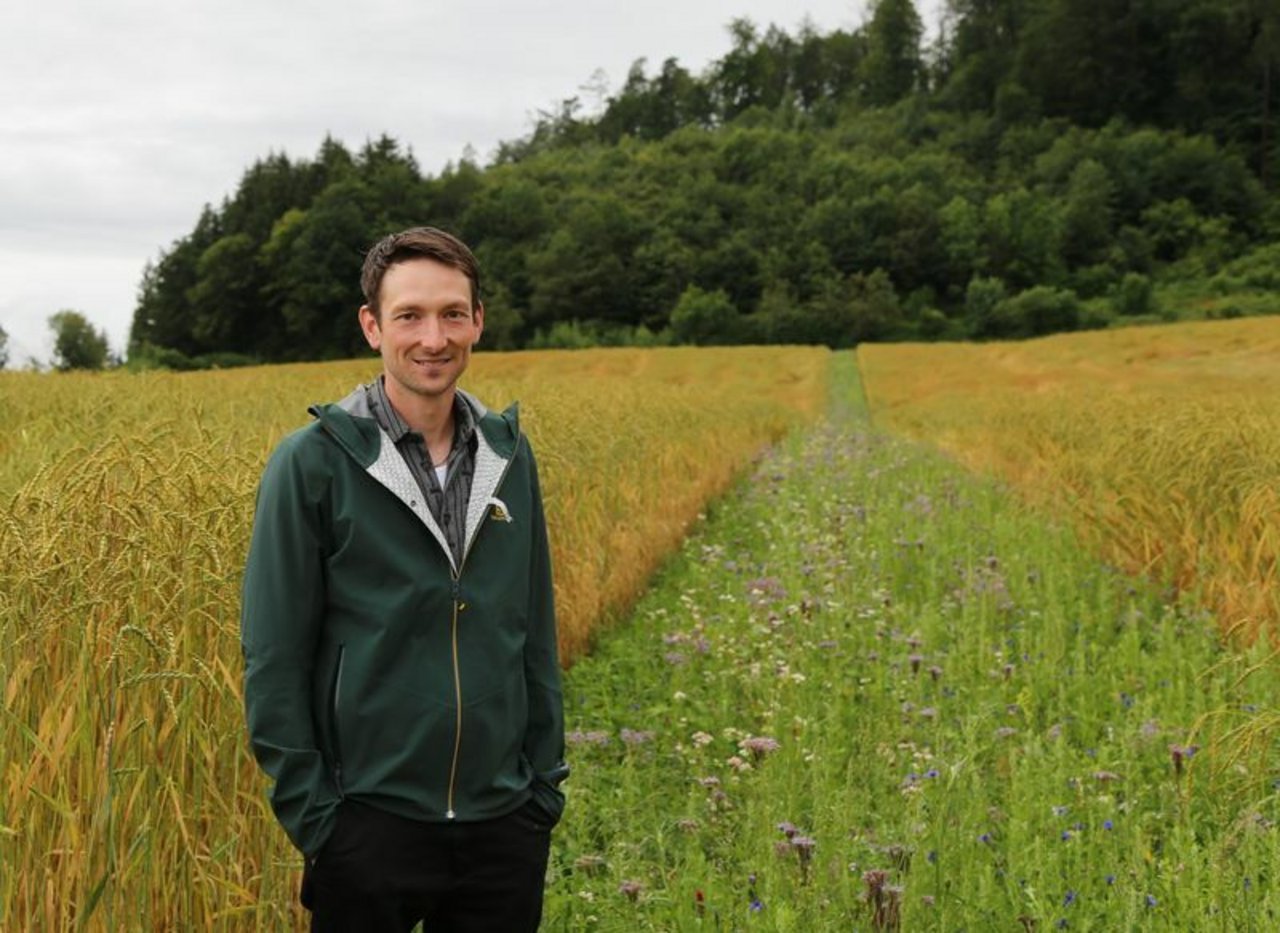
(335, 706)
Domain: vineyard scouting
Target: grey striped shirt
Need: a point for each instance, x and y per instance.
(448, 505)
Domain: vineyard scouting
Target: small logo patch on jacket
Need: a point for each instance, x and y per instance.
(498, 510)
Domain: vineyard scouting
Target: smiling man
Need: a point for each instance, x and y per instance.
(401, 679)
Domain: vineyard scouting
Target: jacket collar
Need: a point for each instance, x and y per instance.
(352, 425)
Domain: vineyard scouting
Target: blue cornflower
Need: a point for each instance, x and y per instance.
(932, 773)
(932, 857)
(985, 837)
(1066, 835)
(1111, 879)
(1107, 824)
(1151, 900)
(756, 905)
(1062, 923)
(1069, 898)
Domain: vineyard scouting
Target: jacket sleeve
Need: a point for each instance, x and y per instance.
(544, 739)
(282, 608)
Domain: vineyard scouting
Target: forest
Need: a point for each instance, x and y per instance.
(1042, 166)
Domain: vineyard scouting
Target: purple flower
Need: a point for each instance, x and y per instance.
(631, 889)
(759, 745)
(1181, 753)
(1069, 898)
(635, 736)
(1151, 900)
(1108, 825)
(589, 863)
(595, 737)
(766, 590)
(803, 844)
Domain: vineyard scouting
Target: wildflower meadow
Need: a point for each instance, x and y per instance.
(873, 692)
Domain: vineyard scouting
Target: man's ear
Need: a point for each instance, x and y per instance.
(478, 314)
(369, 327)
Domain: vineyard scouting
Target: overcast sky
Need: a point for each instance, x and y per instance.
(119, 119)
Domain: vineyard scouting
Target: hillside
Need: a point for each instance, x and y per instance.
(1027, 174)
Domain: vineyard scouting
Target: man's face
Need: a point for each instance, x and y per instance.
(426, 328)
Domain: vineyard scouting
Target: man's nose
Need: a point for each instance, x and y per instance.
(432, 333)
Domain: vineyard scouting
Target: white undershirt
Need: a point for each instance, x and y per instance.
(441, 472)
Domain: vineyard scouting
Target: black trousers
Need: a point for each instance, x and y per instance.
(381, 872)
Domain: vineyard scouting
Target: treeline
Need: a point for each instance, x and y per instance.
(1043, 167)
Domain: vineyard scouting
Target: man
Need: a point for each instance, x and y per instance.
(401, 679)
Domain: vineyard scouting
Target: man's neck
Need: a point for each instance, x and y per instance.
(430, 416)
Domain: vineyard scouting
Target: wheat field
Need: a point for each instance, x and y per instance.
(1160, 444)
(130, 800)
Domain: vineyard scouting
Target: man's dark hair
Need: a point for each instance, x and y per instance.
(417, 243)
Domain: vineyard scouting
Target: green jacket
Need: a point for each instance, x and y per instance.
(375, 668)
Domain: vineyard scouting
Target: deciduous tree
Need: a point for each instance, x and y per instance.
(77, 344)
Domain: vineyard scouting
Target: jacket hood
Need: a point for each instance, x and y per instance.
(351, 423)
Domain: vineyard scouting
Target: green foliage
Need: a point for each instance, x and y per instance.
(148, 357)
(1039, 310)
(892, 68)
(1134, 295)
(705, 318)
(77, 344)
(787, 176)
(583, 335)
(982, 298)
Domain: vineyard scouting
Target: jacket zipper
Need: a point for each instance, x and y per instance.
(337, 745)
(457, 672)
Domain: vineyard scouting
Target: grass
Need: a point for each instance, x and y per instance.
(875, 691)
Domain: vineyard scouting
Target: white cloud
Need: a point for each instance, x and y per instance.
(119, 120)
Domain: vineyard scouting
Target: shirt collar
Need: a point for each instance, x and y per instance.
(464, 421)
